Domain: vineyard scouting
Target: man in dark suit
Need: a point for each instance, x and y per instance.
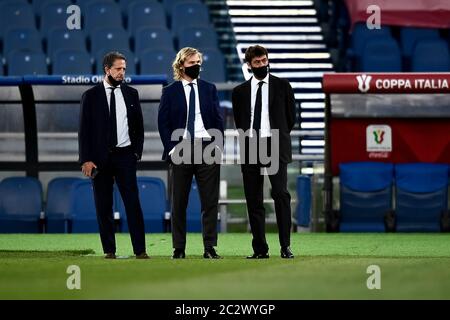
(190, 106)
(265, 103)
(111, 138)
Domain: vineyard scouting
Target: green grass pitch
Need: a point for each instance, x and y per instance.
(326, 266)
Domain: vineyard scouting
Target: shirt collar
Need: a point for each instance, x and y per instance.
(256, 81)
(186, 83)
(107, 85)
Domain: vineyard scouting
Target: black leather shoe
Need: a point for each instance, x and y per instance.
(110, 256)
(210, 253)
(143, 255)
(178, 254)
(286, 253)
(258, 256)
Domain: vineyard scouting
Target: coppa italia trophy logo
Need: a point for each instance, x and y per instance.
(364, 82)
(378, 141)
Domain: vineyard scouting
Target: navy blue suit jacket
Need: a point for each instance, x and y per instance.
(95, 126)
(172, 112)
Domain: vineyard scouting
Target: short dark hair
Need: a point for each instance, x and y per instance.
(255, 51)
(110, 57)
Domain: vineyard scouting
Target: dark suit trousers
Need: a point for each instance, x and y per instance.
(208, 179)
(121, 167)
(253, 188)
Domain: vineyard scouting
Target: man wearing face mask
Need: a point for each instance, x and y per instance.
(191, 106)
(111, 138)
(265, 103)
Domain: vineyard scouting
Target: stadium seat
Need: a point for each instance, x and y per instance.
(71, 62)
(57, 204)
(187, 14)
(109, 39)
(381, 55)
(61, 38)
(431, 56)
(153, 38)
(20, 205)
(26, 63)
(54, 15)
(38, 5)
(102, 14)
(2, 71)
(213, 66)
(409, 36)
(358, 40)
(194, 210)
(157, 62)
(421, 196)
(303, 208)
(16, 14)
(145, 14)
(198, 37)
(365, 196)
(85, 4)
(169, 4)
(152, 195)
(131, 61)
(22, 39)
(82, 212)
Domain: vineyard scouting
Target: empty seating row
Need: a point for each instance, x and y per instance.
(377, 50)
(103, 13)
(70, 206)
(379, 197)
(108, 38)
(74, 62)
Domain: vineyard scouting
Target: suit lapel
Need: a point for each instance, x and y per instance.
(103, 100)
(272, 80)
(201, 98)
(181, 98)
(248, 101)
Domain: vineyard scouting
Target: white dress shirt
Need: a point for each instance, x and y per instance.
(123, 138)
(200, 131)
(265, 122)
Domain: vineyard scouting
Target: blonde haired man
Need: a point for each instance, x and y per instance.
(191, 105)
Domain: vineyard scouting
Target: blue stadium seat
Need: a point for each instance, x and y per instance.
(71, 62)
(22, 39)
(431, 56)
(16, 14)
(54, 15)
(61, 38)
(2, 71)
(131, 61)
(194, 210)
(152, 195)
(20, 205)
(58, 204)
(409, 36)
(38, 5)
(157, 62)
(187, 14)
(359, 37)
(365, 196)
(85, 4)
(213, 66)
(381, 55)
(421, 196)
(303, 208)
(82, 212)
(153, 38)
(145, 14)
(26, 63)
(169, 4)
(102, 14)
(109, 39)
(198, 37)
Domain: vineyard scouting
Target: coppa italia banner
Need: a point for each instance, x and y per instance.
(386, 83)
